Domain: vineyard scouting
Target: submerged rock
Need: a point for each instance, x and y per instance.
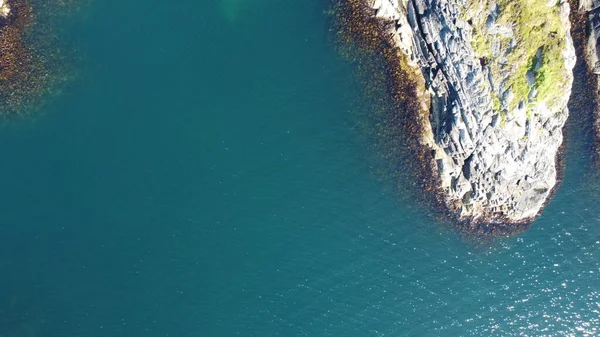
(499, 74)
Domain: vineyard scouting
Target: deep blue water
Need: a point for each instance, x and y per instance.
(203, 177)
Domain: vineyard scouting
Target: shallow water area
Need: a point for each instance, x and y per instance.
(208, 179)
(232, 9)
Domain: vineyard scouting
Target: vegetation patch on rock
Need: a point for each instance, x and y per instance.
(522, 43)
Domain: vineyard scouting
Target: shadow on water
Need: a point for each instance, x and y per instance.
(581, 140)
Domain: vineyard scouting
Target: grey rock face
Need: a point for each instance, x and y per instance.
(491, 167)
(592, 7)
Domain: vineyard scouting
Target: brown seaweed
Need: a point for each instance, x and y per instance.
(32, 59)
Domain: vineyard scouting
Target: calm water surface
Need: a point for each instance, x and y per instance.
(204, 177)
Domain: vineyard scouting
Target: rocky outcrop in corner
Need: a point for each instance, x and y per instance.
(499, 90)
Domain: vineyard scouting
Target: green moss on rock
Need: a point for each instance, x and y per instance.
(537, 44)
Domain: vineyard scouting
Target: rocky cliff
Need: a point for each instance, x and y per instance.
(592, 7)
(499, 73)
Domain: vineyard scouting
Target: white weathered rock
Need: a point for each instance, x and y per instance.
(4, 8)
(492, 171)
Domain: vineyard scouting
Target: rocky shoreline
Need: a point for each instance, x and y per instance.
(496, 108)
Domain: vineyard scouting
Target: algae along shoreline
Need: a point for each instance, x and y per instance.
(34, 61)
(493, 80)
(394, 107)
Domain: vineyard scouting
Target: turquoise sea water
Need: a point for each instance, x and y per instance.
(205, 176)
